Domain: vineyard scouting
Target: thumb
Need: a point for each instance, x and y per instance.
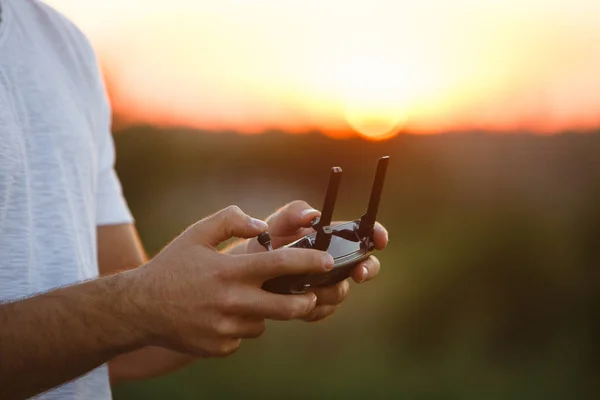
(291, 217)
(225, 224)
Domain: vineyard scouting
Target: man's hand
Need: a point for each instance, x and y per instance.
(292, 222)
(203, 302)
(189, 298)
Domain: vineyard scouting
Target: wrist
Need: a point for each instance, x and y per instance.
(135, 310)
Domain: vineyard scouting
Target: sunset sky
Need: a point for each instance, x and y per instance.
(373, 66)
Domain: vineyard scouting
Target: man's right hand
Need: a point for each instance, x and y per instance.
(197, 300)
(190, 298)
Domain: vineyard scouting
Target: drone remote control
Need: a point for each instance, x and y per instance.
(348, 243)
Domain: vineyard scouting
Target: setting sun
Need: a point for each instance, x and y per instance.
(375, 96)
(374, 67)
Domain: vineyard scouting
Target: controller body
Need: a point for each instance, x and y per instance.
(347, 249)
(348, 243)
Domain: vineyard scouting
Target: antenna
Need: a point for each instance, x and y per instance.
(367, 221)
(321, 225)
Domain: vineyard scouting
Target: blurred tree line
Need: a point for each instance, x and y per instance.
(489, 287)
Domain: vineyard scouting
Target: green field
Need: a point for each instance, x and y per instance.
(490, 287)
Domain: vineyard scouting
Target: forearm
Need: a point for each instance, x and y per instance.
(145, 363)
(54, 337)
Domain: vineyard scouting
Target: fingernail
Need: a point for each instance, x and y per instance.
(365, 274)
(327, 261)
(308, 211)
(258, 224)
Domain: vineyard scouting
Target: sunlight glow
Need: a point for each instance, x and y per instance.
(377, 67)
(375, 97)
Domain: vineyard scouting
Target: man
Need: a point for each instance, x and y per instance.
(64, 223)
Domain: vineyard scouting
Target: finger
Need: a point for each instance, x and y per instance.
(332, 295)
(320, 313)
(366, 270)
(227, 223)
(291, 217)
(271, 264)
(299, 214)
(380, 236)
(279, 307)
(296, 214)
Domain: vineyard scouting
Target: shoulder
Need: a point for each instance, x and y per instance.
(65, 31)
(56, 33)
(75, 52)
(62, 47)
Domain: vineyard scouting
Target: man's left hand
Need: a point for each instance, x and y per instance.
(293, 221)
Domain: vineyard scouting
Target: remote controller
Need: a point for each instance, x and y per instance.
(348, 243)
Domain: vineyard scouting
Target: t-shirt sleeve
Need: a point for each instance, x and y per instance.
(111, 207)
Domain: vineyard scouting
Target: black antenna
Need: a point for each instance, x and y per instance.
(321, 225)
(367, 221)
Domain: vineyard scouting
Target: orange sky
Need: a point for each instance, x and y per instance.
(374, 65)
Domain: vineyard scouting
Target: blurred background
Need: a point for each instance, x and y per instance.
(490, 111)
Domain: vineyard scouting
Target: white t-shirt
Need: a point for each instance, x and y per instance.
(57, 181)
